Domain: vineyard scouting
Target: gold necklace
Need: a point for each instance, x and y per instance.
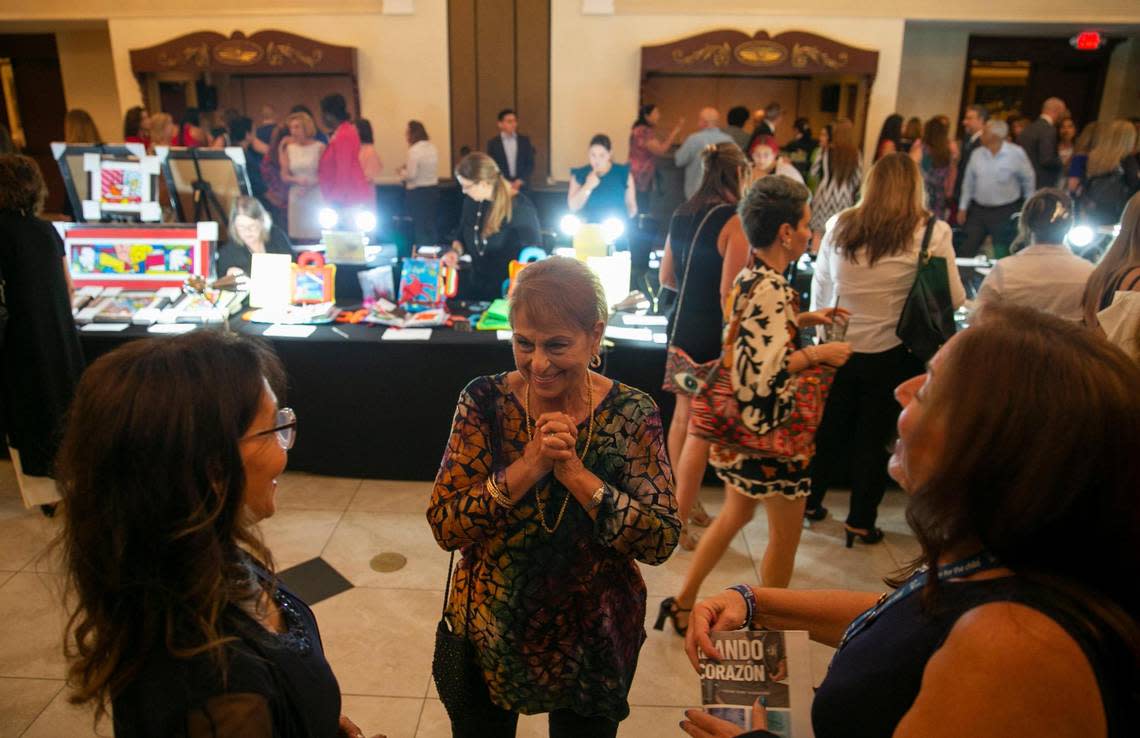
(530, 430)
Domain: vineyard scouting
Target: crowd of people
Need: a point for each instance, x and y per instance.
(1015, 443)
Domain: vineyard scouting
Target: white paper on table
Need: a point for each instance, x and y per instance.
(281, 330)
(406, 334)
(171, 329)
(629, 334)
(105, 327)
(660, 338)
(504, 335)
(647, 320)
(269, 283)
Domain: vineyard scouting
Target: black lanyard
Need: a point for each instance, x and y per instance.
(983, 561)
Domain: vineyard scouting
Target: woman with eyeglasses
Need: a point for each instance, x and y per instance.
(180, 625)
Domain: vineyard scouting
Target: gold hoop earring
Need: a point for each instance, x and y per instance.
(596, 361)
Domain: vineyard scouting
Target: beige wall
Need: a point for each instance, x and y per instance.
(88, 78)
(933, 71)
(1036, 11)
(1121, 97)
(595, 67)
(402, 59)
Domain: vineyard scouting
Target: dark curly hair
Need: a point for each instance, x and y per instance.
(22, 187)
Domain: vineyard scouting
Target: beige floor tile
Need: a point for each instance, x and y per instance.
(822, 562)
(5, 576)
(380, 496)
(664, 675)
(649, 722)
(61, 718)
(8, 485)
(300, 491)
(735, 566)
(380, 642)
(24, 534)
(294, 536)
(820, 659)
(393, 717)
(31, 642)
(22, 701)
(360, 536)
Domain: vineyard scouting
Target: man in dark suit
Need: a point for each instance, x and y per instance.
(972, 125)
(1039, 139)
(512, 152)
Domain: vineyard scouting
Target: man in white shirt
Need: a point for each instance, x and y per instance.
(998, 179)
(1045, 275)
(689, 158)
(513, 153)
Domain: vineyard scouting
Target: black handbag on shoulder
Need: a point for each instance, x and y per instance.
(457, 674)
(927, 319)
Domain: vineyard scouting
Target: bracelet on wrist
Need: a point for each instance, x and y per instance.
(749, 602)
(812, 355)
(498, 494)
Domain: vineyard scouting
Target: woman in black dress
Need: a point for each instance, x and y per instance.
(180, 625)
(1017, 505)
(251, 232)
(40, 356)
(704, 251)
(496, 224)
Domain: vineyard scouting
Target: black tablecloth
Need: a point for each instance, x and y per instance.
(383, 409)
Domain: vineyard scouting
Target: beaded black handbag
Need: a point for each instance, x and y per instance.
(458, 677)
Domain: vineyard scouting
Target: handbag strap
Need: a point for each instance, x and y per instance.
(447, 593)
(688, 261)
(924, 252)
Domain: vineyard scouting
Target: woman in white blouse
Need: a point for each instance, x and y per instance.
(1043, 273)
(421, 178)
(867, 263)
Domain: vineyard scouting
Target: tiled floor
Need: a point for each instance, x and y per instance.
(379, 634)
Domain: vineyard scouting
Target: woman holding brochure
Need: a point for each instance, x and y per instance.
(1023, 630)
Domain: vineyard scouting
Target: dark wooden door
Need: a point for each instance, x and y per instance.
(39, 97)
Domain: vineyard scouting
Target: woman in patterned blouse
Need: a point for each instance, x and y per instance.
(555, 479)
(775, 214)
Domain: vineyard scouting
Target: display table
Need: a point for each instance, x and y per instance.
(380, 409)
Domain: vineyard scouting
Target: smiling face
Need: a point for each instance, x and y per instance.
(477, 191)
(553, 359)
(921, 435)
(509, 124)
(297, 130)
(263, 459)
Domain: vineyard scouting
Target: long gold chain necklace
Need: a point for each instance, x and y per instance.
(530, 431)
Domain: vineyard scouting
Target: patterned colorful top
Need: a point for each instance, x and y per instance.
(765, 306)
(641, 160)
(557, 619)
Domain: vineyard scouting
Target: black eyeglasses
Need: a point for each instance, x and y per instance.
(285, 430)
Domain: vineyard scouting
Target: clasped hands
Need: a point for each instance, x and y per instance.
(554, 447)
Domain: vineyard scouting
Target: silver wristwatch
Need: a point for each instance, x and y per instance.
(596, 498)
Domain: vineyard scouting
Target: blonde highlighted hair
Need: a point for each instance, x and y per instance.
(478, 167)
(307, 123)
(161, 129)
(1113, 142)
(893, 205)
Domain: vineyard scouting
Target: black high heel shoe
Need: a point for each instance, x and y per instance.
(872, 536)
(669, 611)
(815, 515)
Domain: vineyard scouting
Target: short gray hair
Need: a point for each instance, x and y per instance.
(998, 128)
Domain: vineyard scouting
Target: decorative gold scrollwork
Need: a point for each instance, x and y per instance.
(761, 53)
(238, 52)
(277, 54)
(719, 54)
(801, 55)
(199, 56)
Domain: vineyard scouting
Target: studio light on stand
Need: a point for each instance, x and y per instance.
(570, 225)
(1080, 236)
(328, 219)
(612, 229)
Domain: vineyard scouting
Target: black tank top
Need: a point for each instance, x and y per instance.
(873, 682)
(698, 323)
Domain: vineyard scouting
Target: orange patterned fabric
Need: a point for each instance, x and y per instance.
(557, 619)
